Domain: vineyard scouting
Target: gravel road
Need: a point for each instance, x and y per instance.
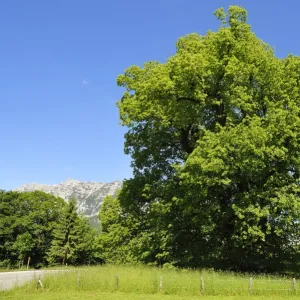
(9, 280)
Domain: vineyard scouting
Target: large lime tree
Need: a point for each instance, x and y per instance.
(214, 138)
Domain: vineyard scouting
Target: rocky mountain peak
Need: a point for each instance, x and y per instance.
(88, 194)
(71, 181)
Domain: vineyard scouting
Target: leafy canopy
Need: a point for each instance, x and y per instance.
(214, 138)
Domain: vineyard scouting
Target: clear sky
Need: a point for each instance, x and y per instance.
(58, 67)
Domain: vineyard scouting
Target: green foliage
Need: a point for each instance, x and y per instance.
(26, 224)
(214, 138)
(23, 245)
(34, 224)
(73, 238)
(116, 239)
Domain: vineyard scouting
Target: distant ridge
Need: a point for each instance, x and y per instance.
(88, 194)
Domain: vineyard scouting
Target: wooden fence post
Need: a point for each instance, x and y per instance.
(160, 283)
(78, 279)
(28, 262)
(250, 286)
(202, 285)
(39, 282)
(117, 281)
(294, 285)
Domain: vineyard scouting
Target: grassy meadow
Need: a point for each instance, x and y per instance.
(122, 282)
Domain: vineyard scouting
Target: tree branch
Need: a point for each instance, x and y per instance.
(187, 99)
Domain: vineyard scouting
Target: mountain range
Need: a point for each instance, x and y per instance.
(89, 195)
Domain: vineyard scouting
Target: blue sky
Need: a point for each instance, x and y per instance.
(59, 63)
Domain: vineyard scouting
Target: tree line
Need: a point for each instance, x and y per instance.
(45, 229)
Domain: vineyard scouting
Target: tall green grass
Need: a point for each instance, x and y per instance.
(146, 280)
